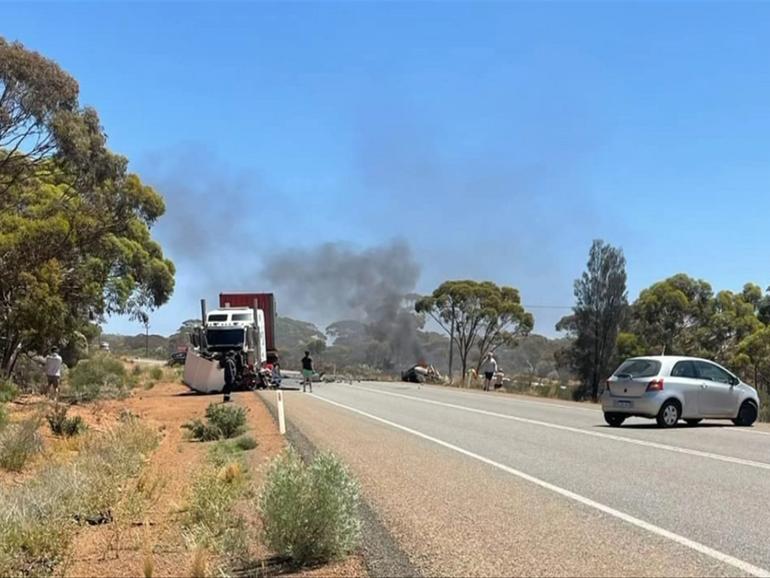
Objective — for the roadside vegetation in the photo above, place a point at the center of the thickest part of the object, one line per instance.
(40, 517)
(223, 421)
(215, 531)
(310, 511)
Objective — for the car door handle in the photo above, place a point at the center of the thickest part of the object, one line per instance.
(703, 386)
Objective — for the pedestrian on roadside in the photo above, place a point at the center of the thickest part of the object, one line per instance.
(307, 372)
(53, 365)
(230, 375)
(489, 368)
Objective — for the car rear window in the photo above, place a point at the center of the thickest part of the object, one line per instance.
(639, 368)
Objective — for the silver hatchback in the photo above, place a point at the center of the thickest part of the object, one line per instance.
(668, 388)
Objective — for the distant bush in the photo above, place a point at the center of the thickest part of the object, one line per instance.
(310, 512)
(156, 373)
(18, 443)
(100, 376)
(8, 390)
(64, 426)
(222, 422)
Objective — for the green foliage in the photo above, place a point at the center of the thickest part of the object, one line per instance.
(101, 376)
(478, 315)
(600, 305)
(8, 390)
(19, 443)
(310, 512)
(75, 241)
(156, 373)
(223, 421)
(246, 443)
(64, 426)
(3, 416)
(40, 517)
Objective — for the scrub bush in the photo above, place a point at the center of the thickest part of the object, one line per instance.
(18, 443)
(310, 512)
(101, 376)
(64, 426)
(222, 422)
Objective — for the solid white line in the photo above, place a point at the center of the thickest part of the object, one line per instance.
(624, 439)
(681, 540)
(748, 431)
(506, 397)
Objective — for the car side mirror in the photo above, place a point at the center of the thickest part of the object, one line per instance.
(734, 381)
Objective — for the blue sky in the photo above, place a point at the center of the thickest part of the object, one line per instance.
(496, 139)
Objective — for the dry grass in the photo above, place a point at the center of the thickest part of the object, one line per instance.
(40, 517)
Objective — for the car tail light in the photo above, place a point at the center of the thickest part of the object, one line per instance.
(655, 385)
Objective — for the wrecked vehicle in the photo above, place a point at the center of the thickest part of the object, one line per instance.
(420, 373)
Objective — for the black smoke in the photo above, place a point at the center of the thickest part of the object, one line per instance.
(335, 281)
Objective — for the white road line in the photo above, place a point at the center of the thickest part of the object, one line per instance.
(624, 439)
(508, 397)
(681, 540)
(747, 431)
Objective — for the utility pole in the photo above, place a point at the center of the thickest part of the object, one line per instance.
(451, 347)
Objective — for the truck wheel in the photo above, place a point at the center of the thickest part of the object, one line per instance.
(614, 419)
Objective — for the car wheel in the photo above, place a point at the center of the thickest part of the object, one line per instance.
(747, 415)
(669, 414)
(614, 419)
(694, 421)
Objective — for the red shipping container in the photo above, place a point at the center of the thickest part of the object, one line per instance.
(265, 302)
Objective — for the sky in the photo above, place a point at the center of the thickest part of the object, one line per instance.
(494, 140)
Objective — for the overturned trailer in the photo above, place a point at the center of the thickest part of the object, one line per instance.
(242, 330)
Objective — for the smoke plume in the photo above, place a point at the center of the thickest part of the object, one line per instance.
(334, 281)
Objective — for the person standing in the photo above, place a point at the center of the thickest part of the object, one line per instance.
(489, 368)
(230, 375)
(53, 365)
(307, 372)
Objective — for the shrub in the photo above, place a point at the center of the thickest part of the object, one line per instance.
(309, 512)
(100, 376)
(8, 390)
(222, 422)
(3, 417)
(18, 443)
(764, 405)
(61, 425)
(156, 373)
(29, 372)
(246, 443)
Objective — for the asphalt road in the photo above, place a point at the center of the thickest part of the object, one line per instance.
(470, 483)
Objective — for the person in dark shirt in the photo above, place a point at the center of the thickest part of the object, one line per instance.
(307, 372)
(230, 375)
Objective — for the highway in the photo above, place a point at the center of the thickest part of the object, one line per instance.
(473, 483)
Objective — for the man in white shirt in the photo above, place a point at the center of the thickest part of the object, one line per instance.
(489, 368)
(53, 365)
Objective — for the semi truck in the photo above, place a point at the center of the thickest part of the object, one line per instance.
(244, 323)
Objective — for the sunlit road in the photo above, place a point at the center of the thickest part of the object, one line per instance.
(492, 484)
